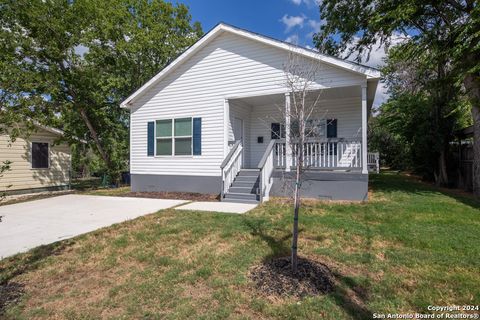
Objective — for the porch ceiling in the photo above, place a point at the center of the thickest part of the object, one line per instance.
(323, 94)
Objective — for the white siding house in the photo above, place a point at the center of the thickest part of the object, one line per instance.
(226, 88)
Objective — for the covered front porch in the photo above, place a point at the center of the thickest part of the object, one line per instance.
(257, 132)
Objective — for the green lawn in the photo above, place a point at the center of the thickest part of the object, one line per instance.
(411, 246)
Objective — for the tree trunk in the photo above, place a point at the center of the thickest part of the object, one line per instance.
(441, 176)
(94, 135)
(472, 84)
(296, 209)
(298, 177)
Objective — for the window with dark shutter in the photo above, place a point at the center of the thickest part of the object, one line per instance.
(275, 130)
(197, 136)
(39, 155)
(150, 138)
(331, 128)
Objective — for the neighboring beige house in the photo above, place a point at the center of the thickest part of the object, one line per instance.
(37, 164)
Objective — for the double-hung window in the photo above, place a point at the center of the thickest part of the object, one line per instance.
(183, 136)
(174, 137)
(163, 133)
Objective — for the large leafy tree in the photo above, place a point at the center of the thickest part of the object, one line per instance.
(424, 108)
(447, 29)
(71, 63)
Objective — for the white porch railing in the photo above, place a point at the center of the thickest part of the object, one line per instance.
(373, 161)
(266, 166)
(231, 166)
(328, 153)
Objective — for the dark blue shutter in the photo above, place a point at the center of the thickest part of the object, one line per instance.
(197, 136)
(150, 138)
(331, 128)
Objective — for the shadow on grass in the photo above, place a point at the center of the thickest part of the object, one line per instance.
(347, 293)
(14, 266)
(278, 245)
(11, 291)
(351, 295)
(392, 181)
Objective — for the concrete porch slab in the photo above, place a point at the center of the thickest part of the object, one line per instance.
(228, 207)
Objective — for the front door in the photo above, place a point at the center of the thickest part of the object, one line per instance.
(238, 129)
(238, 133)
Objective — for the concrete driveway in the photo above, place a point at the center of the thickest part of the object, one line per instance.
(30, 224)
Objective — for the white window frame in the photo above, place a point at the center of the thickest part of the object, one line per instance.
(31, 155)
(172, 137)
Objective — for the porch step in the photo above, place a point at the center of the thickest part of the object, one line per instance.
(236, 189)
(244, 187)
(244, 196)
(246, 178)
(245, 184)
(249, 173)
(240, 201)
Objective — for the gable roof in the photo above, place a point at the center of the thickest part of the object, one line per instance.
(54, 131)
(368, 72)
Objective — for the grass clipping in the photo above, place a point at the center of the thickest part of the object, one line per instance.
(275, 278)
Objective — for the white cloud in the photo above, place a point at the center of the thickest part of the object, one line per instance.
(375, 60)
(314, 24)
(381, 95)
(292, 21)
(294, 38)
(308, 3)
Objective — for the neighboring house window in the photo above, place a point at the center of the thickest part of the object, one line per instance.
(174, 137)
(40, 155)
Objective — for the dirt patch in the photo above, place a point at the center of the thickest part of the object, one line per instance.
(173, 195)
(10, 293)
(275, 278)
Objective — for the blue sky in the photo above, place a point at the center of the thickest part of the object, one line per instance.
(293, 20)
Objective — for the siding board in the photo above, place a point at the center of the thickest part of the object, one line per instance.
(229, 65)
(22, 176)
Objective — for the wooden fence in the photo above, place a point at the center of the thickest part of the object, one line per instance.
(463, 156)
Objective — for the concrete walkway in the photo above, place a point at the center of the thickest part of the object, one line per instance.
(29, 224)
(228, 207)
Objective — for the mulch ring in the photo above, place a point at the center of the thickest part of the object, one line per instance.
(174, 195)
(10, 293)
(275, 278)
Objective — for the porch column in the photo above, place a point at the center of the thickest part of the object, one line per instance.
(288, 146)
(226, 124)
(364, 129)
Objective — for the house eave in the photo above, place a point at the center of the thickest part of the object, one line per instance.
(368, 72)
